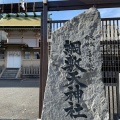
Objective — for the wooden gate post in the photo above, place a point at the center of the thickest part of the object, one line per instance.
(118, 95)
(44, 56)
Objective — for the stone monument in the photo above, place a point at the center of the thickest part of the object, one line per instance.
(74, 89)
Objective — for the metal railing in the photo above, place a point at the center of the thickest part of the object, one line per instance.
(110, 50)
(30, 71)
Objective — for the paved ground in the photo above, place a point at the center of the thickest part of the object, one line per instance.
(19, 99)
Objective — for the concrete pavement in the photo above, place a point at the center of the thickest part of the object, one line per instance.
(19, 99)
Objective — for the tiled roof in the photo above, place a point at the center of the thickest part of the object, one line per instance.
(20, 21)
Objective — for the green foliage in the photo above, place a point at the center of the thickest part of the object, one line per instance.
(26, 14)
(17, 14)
(35, 15)
(8, 15)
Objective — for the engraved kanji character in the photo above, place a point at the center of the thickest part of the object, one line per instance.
(76, 94)
(77, 110)
(70, 111)
(74, 77)
(72, 47)
(74, 112)
(71, 63)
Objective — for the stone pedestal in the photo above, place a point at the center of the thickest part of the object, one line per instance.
(74, 89)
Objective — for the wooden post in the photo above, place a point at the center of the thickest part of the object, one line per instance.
(118, 95)
(41, 57)
(44, 57)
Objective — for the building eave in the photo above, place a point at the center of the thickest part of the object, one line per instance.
(20, 27)
(22, 45)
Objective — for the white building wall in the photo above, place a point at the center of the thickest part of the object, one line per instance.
(30, 42)
(14, 40)
(29, 37)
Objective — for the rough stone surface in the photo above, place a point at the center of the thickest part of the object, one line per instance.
(84, 28)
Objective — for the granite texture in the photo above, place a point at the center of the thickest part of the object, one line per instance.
(85, 29)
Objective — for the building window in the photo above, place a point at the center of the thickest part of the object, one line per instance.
(36, 55)
(1, 54)
(27, 55)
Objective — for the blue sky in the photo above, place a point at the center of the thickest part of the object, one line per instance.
(65, 15)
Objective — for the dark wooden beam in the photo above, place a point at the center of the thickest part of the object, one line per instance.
(41, 67)
(44, 58)
(63, 5)
(82, 4)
